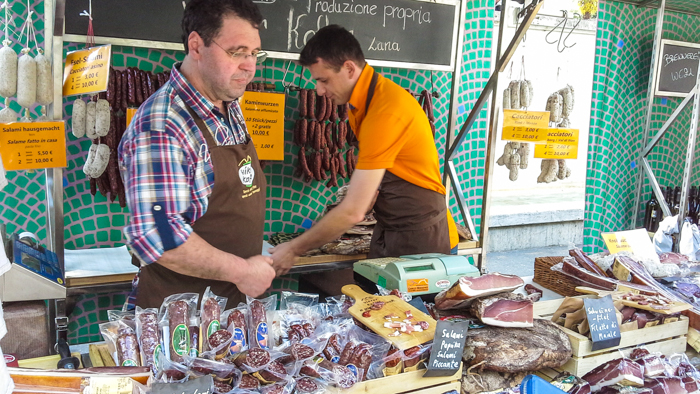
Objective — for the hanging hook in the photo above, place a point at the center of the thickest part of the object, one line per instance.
(565, 16)
(580, 18)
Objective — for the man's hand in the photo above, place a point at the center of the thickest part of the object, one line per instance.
(258, 276)
(283, 257)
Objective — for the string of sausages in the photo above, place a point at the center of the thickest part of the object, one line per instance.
(322, 132)
(126, 88)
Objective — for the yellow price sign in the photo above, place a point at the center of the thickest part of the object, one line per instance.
(264, 117)
(524, 126)
(634, 241)
(561, 144)
(87, 71)
(31, 146)
(130, 112)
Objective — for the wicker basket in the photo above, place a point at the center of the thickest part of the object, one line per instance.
(555, 280)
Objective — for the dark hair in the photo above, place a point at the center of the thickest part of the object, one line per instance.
(207, 16)
(334, 45)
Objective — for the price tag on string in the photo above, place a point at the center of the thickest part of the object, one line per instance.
(561, 144)
(87, 71)
(31, 146)
(264, 117)
(525, 126)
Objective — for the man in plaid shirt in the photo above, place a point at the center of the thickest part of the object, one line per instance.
(193, 181)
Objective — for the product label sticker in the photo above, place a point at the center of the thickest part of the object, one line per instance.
(238, 343)
(442, 283)
(261, 336)
(417, 285)
(87, 71)
(181, 340)
(213, 327)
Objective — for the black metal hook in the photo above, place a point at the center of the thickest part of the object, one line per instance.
(565, 15)
(580, 18)
(561, 43)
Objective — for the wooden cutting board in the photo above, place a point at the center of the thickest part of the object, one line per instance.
(393, 306)
(674, 307)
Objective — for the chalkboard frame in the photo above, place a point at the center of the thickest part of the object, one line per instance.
(458, 9)
(659, 59)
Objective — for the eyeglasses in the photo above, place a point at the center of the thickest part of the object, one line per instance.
(259, 56)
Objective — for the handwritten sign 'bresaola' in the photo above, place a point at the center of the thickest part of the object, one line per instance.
(602, 320)
(448, 346)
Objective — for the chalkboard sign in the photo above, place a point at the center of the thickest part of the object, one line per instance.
(602, 322)
(677, 68)
(399, 33)
(448, 346)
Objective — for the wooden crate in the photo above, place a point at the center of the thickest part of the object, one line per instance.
(666, 338)
(409, 382)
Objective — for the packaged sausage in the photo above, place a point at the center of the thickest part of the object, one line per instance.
(306, 299)
(308, 385)
(296, 323)
(44, 79)
(168, 371)
(259, 322)
(26, 80)
(218, 343)
(210, 316)
(121, 342)
(195, 344)
(8, 70)
(222, 372)
(274, 372)
(248, 382)
(285, 387)
(236, 324)
(114, 315)
(361, 349)
(336, 374)
(149, 336)
(413, 358)
(177, 310)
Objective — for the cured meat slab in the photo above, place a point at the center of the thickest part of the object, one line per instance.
(517, 349)
(504, 310)
(622, 371)
(393, 305)
(462, 292)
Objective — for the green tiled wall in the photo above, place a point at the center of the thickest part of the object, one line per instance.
(95, 222)
(623, 57)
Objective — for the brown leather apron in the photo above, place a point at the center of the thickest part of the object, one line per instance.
(233, 222)
(410, 219)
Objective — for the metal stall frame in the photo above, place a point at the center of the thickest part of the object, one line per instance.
(450, 177)
(647, 148)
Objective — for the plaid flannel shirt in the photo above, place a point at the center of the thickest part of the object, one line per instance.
(163, 157)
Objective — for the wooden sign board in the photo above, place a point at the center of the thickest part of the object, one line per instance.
(446, 353)
(676, 68)
(602, 320)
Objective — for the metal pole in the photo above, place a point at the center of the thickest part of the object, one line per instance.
(452, 120)
(658, 33)
(689, 156)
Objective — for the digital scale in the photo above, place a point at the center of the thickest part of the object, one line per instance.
(420, 274)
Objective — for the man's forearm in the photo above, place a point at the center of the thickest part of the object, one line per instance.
(196, 257)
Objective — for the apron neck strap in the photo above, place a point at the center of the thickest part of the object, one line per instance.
(370, 91)
(208, 137)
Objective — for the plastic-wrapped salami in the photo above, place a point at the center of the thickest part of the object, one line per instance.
(308, 385)
(195, 343)
(285, 387)
(121, 342)
(224, 372)
(258, 323)
(274, 372)
(8, 70)
(7, 114)
(79, 112)
(413, 357)
(210, 315)
(26, 80)
(219, 343)
(148, 335)
(44, 80)
(253, 360)
(177, 310)
(168, 371)
(236, 325)
(248, 382)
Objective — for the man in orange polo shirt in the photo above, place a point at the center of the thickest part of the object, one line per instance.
(397, 164)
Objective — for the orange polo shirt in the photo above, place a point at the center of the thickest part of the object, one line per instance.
(396, 136)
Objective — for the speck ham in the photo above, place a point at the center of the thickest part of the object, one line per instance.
(504, 310)
(621, 371)
(462, 293)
